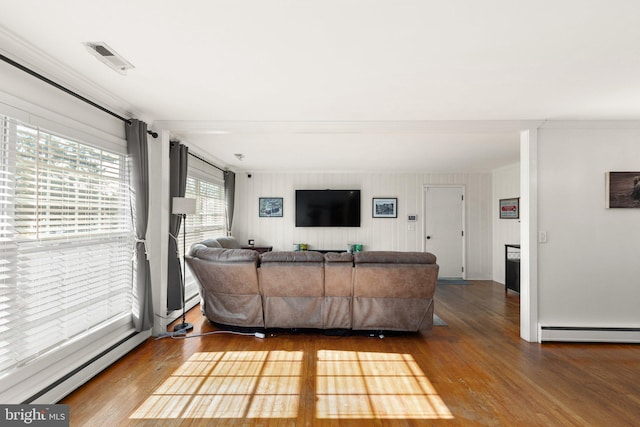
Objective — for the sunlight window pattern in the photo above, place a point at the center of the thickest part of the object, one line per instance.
(366, 385)
(66, 241)
(267, 384)
(234, 384)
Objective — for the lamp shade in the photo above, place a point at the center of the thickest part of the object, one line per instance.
(183, 206)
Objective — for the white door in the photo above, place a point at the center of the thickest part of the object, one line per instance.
(444, 228)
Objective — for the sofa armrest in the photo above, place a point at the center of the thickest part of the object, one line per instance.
(224, 255)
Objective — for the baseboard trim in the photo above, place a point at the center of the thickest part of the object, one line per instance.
(78, 377)
(589, 334)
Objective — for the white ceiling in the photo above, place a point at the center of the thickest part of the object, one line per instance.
(433, 86)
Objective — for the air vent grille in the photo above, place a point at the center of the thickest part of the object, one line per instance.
(109, 56)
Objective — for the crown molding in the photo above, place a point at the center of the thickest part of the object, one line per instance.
(346, 127)
(39, 61)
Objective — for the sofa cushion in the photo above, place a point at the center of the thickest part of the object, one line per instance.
(338, 288)
(338, 257)
(224, 255)
(391, 257)
(291, 256)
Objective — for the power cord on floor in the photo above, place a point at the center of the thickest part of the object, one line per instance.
(182, 333)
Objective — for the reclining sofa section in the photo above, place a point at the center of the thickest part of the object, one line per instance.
(373, 290)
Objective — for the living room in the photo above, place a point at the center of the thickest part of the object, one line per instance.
(566, 124)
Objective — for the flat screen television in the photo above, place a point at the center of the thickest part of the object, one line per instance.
(327, 208)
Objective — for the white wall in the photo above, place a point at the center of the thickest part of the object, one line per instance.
(505, 184)
(374, 234)
(588, 272)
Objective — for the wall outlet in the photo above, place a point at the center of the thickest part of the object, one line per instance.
(542, 237)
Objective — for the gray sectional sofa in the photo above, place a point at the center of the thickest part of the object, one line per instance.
(372, 290)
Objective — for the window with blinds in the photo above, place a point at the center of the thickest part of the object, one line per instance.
(66, 241)
(209, 219)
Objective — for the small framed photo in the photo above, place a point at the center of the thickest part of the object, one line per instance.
(623, 190)
(510, 208)
(270, 207)
(385, 207)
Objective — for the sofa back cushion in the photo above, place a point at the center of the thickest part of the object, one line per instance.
(338, 274)
(227, 271)
(381, 274)
(292, 274)
(392, 257)
(228, 280)
(292, 257)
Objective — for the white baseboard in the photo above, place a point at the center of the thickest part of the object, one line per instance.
(77, 379)
(589, 334)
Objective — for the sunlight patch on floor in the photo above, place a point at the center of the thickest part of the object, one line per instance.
(267, 384)
(365, 385)
(235, 384)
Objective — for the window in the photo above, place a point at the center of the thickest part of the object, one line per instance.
(209, 220)
(66, 241)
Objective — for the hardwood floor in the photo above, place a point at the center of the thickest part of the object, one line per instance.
(475, 371)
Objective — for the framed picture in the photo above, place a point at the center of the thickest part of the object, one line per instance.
(510, 208)
(623, 189)
(270, 207)
(385, 207)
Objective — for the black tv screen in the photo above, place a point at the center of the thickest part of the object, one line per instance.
(327, 208)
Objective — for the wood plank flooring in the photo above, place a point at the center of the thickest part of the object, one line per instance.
(474, 372)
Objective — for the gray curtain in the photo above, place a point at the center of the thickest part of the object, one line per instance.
(178, 163)
(230, 195)
(138, 157)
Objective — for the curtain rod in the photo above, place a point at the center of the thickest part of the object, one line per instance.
(68, 91)
(207, 162)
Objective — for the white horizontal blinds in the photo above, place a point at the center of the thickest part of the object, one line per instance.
(67, 189)
(72, 237)
(8, 249)
(209, 219)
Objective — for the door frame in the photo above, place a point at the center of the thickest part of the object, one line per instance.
(464, 220)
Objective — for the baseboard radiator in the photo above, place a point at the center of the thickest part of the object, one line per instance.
(70, 382)
(589, 334)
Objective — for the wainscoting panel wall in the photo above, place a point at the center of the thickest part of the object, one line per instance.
(374, 233)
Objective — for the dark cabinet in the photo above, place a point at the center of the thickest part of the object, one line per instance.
(511, 268)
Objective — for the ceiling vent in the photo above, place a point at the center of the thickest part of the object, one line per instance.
(109, 56)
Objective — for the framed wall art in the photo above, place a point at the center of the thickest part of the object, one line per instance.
(510, 208)
(623, 190)
(385, 207)
(270, 207)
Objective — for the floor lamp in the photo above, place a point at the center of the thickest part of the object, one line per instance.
(183, 206)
